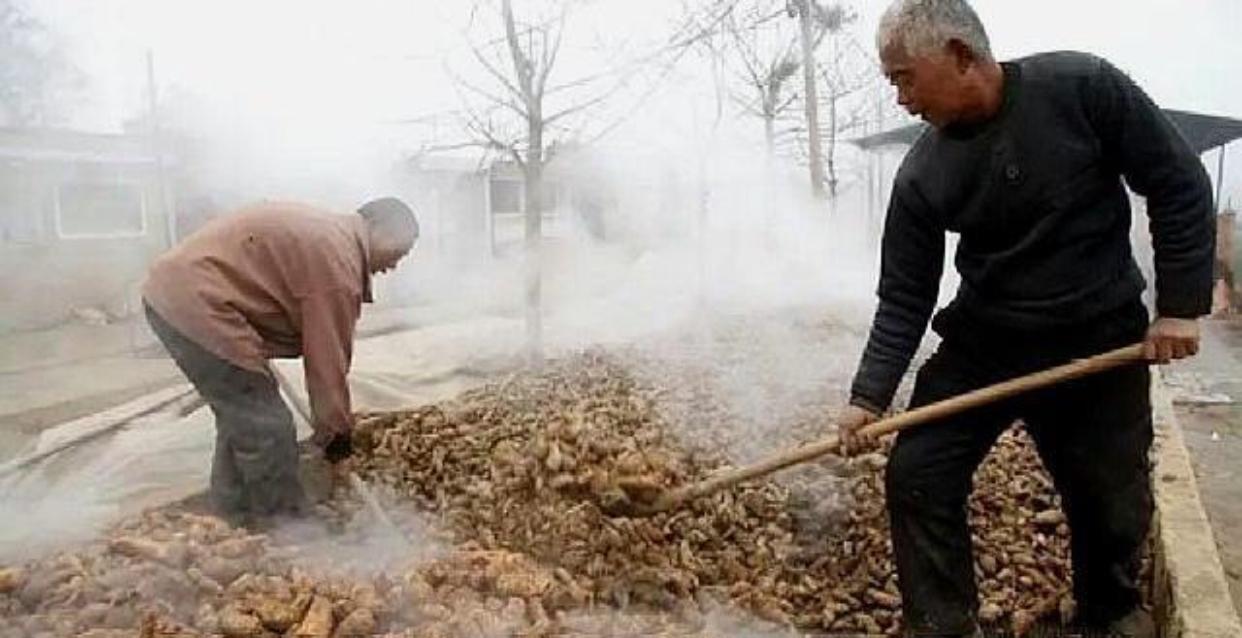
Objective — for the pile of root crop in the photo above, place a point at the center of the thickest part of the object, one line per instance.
(512, 475)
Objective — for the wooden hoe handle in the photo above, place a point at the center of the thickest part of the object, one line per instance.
(983, 396)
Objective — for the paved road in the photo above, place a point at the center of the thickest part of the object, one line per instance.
(1208, 402)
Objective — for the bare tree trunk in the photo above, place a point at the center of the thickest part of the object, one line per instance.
(530, 87)
(810, 100)
(832, 144)
(769, 134)
(533, 174)
(770, 97)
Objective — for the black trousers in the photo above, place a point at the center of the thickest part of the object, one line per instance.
(1093, 435)
(254, 473)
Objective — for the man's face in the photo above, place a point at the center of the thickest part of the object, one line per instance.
(929, 86)
(386, 255)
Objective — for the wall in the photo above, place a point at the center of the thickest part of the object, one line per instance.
(61, 246)
(1225, 289)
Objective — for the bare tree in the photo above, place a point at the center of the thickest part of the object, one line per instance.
(520, 113)
(846, 71)
(768, 58)
(36, 78)
(765, 69)
(810, 102)
(763, 60)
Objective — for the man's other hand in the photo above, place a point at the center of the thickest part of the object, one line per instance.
(1169, 339)
(340, 448)
(849, 425)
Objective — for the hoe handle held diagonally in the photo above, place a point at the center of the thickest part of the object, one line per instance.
(359, 486)
(1127, 355)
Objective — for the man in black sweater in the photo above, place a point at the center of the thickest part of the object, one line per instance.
(1024, 160)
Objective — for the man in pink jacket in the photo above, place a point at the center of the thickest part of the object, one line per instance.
(272, 280)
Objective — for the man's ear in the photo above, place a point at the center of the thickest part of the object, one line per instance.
(963, 56)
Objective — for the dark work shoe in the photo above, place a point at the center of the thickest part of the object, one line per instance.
(1136, 624)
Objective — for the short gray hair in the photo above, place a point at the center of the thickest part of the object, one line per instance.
(922, 26)
(391, 216)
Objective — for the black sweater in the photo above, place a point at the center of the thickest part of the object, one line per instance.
(1036, 195)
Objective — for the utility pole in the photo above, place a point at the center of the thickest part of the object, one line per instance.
(810, 98)
(161, 177)
(1220, 176)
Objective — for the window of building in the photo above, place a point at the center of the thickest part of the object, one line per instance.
(90, 209)
(506, 196)
(21, 212)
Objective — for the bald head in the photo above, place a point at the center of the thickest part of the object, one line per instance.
(392, 230)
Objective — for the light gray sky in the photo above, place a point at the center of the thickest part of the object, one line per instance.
(330, 77)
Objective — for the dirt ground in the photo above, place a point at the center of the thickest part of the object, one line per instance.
(1207, 396)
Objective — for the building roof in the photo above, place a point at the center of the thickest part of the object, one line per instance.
(431, 163)
(1205, 132)
(62, 145)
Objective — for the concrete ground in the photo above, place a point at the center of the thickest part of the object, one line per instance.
(52, 376)
(1207, 398)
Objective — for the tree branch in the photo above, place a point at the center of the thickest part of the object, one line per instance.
(521, 65)
(492, 142)
(549, 59)
(489, 140)
(494, 72)
(570, 110)
(784, 105)
(491, 97)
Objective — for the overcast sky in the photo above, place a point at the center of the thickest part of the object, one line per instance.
(314, 75)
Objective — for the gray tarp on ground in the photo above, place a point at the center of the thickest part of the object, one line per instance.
(1203, 132)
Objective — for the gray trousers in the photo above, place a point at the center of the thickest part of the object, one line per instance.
(254, 473)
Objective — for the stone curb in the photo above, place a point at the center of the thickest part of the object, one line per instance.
(1191, 594)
